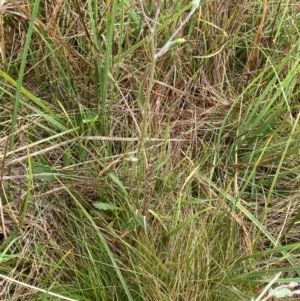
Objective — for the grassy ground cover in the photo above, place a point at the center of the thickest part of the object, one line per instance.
(134, 169)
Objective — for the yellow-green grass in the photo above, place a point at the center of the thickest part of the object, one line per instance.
(128, 175)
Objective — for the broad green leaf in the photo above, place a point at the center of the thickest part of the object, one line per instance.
(118, 182)
(106, 206)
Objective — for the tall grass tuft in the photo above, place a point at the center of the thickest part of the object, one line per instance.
(149, 150)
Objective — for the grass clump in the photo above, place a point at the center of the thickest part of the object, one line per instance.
(149, 150)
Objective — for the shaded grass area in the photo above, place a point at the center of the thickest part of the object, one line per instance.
(190, 194)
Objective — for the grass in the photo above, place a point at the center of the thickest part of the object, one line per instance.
(133, 173)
